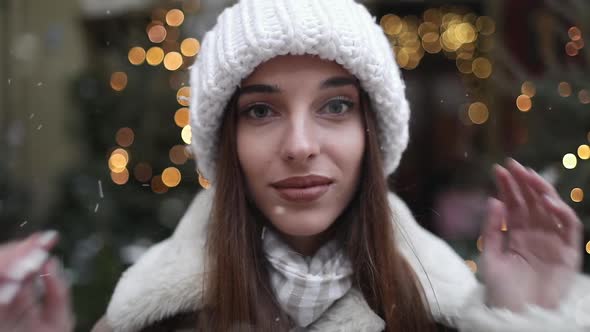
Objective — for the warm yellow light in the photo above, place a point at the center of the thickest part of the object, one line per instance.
(524, 103)
(183, 96)
(142, 172)
(118, 162)
(391, 24)
(528, 88)
(402, 57)
(465, 66)
(157, 33)
(190, 47)
(570, 161)
(186, 134)
(564, 89)
(433, 15)
(171, 177)
(173, 61)
(178, 155)
(482, 67)
(136, 55)
(485, 25)
(465, 33)
(584, 96)
(577, 195)
(471, 265)
(478, 113)
(584, 151)
(154, 56)
(174, 17)
(504, 226)
(181, 117)
(432, 47)
(120, 178)
(118, 81)
(588, 248)
(574, 33)
(427, 28)
(124, 137)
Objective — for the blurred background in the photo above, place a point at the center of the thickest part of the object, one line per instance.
(94, 119)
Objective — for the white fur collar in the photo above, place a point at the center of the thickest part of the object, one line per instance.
(165, 280)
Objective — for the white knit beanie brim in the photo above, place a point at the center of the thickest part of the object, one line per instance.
(254, 31)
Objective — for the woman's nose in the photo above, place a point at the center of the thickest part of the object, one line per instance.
(300, 141)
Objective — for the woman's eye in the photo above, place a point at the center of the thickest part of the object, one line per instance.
(338, 106)
(258, 111)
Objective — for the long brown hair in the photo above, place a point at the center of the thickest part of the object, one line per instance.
(237, 292)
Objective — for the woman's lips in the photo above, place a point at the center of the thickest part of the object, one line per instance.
(307, 194)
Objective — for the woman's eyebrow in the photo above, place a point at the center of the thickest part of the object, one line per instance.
(338, 81)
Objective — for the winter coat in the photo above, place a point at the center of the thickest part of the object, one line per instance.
(164, 284)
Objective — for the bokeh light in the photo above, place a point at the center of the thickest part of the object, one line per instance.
(178, 155)
(584, 151)
(478, 113)
(528, 88)
(485, 25)
(471, 265)
(570, 161)
(588, 247)
(142, 172)
(174, 17)
(203, 181)
(124, 137)
(120, 178)
(186, 134)
(157, 33)
(190, 47)
(584, 96)
(181, 117)
(171, 177)
(574, 33)
(564, 89)
(391, 24)
(136, 55)
(482, 67)
(154, 56)
(577, 195)
(571, 49)
(119, 81)
(158, 186)
(173, 61)
(524, 103)
(183, 96)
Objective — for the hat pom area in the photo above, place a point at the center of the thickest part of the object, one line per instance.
(252, 32)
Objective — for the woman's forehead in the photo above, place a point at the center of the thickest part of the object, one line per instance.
(294, 67)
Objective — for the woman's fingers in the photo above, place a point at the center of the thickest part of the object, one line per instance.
(492, 235)
(571, 227)
(57, 298)
(24, 258)
(511, 195)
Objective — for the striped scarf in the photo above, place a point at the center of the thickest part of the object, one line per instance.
(306, 286)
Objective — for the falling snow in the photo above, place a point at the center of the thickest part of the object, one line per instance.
(100, 189)
(23, 223)
(96, 208)
(32, 115)
(40, 83)
(39, 127)
(9, 81)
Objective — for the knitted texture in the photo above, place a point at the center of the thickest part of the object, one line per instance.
(254, 31)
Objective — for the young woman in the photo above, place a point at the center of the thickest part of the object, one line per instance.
(298, 115)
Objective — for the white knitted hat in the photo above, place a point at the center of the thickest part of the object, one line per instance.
(254, 31)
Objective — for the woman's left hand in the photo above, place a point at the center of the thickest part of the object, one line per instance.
(536, 257)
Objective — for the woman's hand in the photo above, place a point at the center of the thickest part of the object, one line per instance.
(25, 269)
(535, 259)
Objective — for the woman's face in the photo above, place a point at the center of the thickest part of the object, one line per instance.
(300, 116)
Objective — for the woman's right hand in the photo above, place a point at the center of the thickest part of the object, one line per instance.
(33, 295)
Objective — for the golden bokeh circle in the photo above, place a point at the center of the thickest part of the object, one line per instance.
(118, 81)
(173, 61)
(478, 113)
(577, 195)
(171, 177)
(571, 49)
(471, 265)
(120, 178)
(524, 103)
(574, 33)
(190, 47)
(391, 24)
(183, 96)
(178, 155)
(186, 134)
(154, 56)
(485, 25)
(174, 17)
(584, 151)
(136, 55)
(181, 117)
(482, 67)
(203, 181)
(588, 248)
(157, 185)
